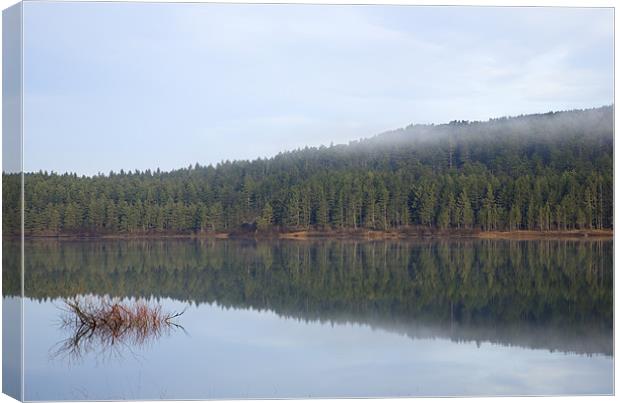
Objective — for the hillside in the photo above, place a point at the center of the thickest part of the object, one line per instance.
(550, 171)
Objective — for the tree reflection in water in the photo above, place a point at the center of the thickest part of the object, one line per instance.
(553, 294)
(109, 326)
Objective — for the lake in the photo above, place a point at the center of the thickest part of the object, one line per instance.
(325, 318)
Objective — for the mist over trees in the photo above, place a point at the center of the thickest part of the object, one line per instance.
(550, 171)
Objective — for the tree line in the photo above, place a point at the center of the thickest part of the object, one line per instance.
(543, 172)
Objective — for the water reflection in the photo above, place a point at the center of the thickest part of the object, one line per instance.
(108, 327)
(555, 295)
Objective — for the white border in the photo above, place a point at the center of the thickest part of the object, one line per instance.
(541, 3)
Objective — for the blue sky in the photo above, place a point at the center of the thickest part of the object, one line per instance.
(146, 85)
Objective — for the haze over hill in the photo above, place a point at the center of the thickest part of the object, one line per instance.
(545, 171)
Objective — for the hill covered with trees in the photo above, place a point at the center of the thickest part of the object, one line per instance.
(551, 171)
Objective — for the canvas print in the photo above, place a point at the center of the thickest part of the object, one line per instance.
(237, 201)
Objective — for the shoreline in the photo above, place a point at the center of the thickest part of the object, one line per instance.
(514, 235)
(593, 234)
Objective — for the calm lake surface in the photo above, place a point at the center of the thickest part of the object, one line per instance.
(286, 319)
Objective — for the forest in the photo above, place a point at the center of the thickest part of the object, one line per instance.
(543, 172)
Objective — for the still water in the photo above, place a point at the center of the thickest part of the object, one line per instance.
(286, 319)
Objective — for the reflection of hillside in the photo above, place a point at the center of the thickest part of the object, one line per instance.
(547, 294)
(581, 339)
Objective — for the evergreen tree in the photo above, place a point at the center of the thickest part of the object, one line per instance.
(489, 212)
(465, 214)
(73, 218)
(265, 220)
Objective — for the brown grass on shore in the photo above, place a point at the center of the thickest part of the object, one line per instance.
(418, 233)
(534, 235)
(357, 234)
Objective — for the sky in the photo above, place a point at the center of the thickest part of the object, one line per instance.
(110, 86)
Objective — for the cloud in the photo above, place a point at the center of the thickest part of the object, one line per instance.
(273, 77)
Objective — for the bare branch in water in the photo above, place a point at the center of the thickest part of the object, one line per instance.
(103, 324)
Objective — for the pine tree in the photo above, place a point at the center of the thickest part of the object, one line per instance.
(465, 213)
(265, 220)
(292, 209)
(111, 217)
(72, 220)
(382, 206)
(53, 218)
(216, 214)
(322, 211)
(489, 213)
(447, 209)
(514, 217)
(426, 204)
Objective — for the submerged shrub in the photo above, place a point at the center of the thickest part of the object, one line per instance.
(105, 324)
